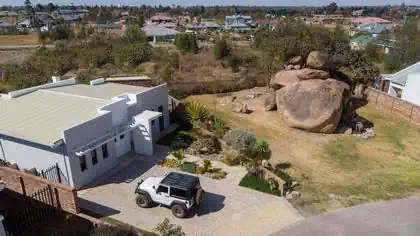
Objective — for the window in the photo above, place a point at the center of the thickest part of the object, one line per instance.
(179, 193)
(94, 157)
(105, 151)
(121, 136)
(162, 189)
(83, 165)
(153, 122)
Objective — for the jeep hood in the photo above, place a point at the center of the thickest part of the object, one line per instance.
(150, 182)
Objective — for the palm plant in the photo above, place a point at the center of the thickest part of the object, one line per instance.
(196, 111)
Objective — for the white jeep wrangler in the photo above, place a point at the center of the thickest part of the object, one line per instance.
(178, 191)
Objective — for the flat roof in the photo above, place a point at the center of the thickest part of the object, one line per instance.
(42, 116)
(100, 91)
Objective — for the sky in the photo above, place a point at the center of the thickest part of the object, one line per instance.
(221, 2)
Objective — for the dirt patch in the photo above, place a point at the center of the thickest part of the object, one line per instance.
(334, 170)
(30, 39)
(14, 56)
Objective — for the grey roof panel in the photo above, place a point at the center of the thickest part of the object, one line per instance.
(157, 30)
(401, 77)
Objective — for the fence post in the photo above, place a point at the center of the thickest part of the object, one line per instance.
(57, 169)
(411, 112)
(2, 230)
(22, 185)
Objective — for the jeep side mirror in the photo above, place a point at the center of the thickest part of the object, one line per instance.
(154, 187)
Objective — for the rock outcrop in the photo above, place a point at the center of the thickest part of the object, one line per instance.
(312, 105)
(323, 61)
(270, 102)
(284, 78)
(307, 73)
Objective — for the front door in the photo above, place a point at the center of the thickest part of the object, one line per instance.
(161, 119)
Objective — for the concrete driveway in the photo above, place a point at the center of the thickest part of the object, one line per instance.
(227, 209)
(392, 218)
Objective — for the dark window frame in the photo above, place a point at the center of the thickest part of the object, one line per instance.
(94, 157)
(162, 186)
(83, 164)
(105, 153)
(122, 136)
(177, 195)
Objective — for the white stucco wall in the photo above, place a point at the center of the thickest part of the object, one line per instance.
(143, 137)
(83, 134)
(31, 155)
(411, 91)
(151, 100)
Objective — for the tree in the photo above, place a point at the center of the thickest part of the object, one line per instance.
(186, 42)
(361, 69)
(222, 48)
(331, 8)
(165, 228)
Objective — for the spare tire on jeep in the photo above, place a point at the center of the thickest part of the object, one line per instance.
(200, 196)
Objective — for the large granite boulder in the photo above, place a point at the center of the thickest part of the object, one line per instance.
(307, 73)
(270, 102)
(323, 61)
(312, 105)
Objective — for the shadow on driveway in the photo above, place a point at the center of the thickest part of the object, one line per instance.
(96, 208)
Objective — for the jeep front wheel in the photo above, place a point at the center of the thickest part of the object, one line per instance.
(179, 211)
(142, 201)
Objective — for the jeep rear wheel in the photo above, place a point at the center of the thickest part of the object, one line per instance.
(179, 211)
(142, 201)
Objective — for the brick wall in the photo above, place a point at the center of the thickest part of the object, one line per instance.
(23, 183)
(394, 105)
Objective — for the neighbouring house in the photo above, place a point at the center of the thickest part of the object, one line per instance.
(357, 13)
(161, 18)
(85, 129)
(158, 34)
(24, 24)
(211, 26)
(369, 20)
(237, 22)
(360, 42)
(404, 84)
(372, 29)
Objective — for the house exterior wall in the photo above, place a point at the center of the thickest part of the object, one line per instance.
(31, 155)
(411, 89)
(151, 100)
(83, 134)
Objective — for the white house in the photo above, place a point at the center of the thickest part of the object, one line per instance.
(85, 129)
(404, 84)
(157, 33)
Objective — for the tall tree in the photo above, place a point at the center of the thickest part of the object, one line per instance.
(331, 8)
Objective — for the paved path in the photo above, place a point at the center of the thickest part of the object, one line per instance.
(227, 209)
(397, 217)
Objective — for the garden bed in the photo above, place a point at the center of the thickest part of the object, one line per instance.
(255, 182)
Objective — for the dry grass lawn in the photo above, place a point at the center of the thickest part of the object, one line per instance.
(336, 171)
(30, 39)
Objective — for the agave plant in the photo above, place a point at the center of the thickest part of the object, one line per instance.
(196, 111)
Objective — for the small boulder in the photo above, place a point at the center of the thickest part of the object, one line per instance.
(312, 74)
(270, 102)
(323, 61)
(284, 78)
(240, 108)
(298, 60)
(296, 67)
(289, 67)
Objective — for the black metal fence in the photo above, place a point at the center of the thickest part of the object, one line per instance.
(55, 174)
(29, 211)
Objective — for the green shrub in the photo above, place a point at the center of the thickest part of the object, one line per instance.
(205, 145)
(219, 175)
(222, 48)
(171, 163)
(255, 182)
(60, 32)
(178, 154)
(113, 230)
(241, 140)
(185, 136)
(196, 111)
(186, 43)
(231, 158)
(260, 150)
(207, 165)
(283, 175)
(234, 63)
(165, 228)
(218, 126)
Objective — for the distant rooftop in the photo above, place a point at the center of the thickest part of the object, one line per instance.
(369, 20)
(157, 30)
(373, 28)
